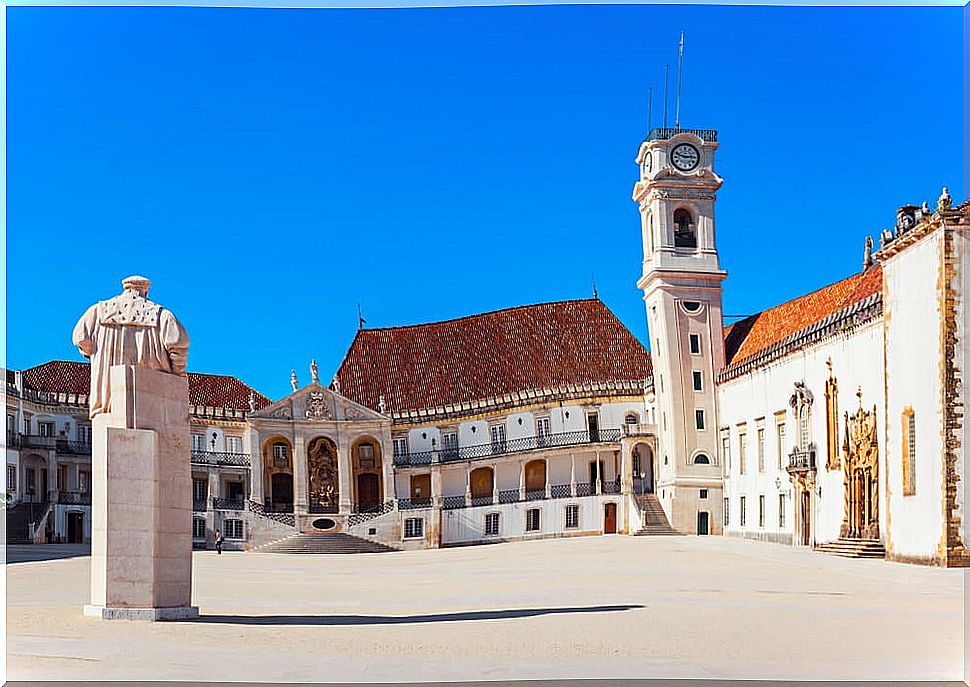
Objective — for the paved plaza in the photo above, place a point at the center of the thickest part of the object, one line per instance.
(608, 607)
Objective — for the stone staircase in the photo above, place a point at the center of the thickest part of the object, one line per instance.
(654, 519)
(323, 542)
(18, 522)
(854, 548)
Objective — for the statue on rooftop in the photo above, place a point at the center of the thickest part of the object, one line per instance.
(866, 264)
(314, 373)
(129, 329)
(293, 382)
(944, 202)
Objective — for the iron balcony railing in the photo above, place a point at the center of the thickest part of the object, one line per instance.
(74, 448)
(509, 446)
(80, 498)
(801, 460)
(411, 504)
(228, 504)
(220, 458)
(662, 134)
(200, 505)
(584, 489)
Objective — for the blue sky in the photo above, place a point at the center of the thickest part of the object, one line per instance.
(268, 169)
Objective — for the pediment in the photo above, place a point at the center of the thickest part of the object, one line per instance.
(317, 403)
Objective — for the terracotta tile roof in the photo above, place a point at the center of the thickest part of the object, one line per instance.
(542, 346)
(749, 337)
(71, 377)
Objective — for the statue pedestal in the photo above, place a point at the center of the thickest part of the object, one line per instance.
(141, 532)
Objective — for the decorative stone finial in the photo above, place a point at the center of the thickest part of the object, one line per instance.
(314, 373)
(293, 382)
(866, 264)
(944, 202)
(136, 283)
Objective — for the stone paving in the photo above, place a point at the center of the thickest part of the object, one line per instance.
(608, 607)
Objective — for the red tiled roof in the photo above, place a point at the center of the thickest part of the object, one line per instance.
(71, 377)
(482, 356)
(748, 337)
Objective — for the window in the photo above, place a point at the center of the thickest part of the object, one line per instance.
(281, 455)
(498, 438)
(695, 343)
(572, 516)
(233, 444)
(491, 524)
(198, 528)
(631, 419)
(743, 508)
(449, 443)
(781, 511)
(685, 235)
(909, 452)
(84, 434)
(532, 520)
(726, 451)
(804, 428)
(232, 529)
(11, 424)
(742, 450)
(781, 443)
(46, 429)
(691, 306)
(542, 430)
(11, 478)
(727, 511)
(400, 446)
(698, 382)
(365, 455)
(198, 442)
(699, 418)
(761, 449)
(702, 459)
(832, 461)
(84, 482)
(413, 528)
(761, 511)
(703, 493)
(200, 489)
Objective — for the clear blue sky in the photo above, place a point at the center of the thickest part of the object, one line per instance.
(268, 169)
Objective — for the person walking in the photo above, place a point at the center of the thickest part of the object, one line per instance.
(218, 542)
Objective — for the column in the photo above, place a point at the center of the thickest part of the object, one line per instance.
(51, 486)
(599, 475)
(344, 465)
(626, 467)
(256, 470)
(495, 497)
(210, 514)
(387, 462)
(300, 477)
(436, 499)
(572, 474)
(521, 481)
(468, 484)
(548, 481)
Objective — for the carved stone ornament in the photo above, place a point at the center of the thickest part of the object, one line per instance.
(354, 413)
(905, 218)
(801, 397)
(317, 407)
(281, 413)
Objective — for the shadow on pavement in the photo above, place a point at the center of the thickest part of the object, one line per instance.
(401, 619)
(30, 553)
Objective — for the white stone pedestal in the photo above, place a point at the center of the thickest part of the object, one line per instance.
(141, 534)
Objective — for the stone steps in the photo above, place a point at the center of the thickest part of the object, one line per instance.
(324, 543)
(655, 522)
(853, 548)
(18, 522)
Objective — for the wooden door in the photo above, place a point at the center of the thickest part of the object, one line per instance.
(609, 518)
(75, 528)
(702, 518)
(368, 493)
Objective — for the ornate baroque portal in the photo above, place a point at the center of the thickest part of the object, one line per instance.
(324, 492)
(861, 475)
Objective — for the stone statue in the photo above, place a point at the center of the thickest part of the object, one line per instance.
(944, 202)
(252, 402)
(336, 385)
(866, 264)
(295, 384)
(381, 405)
(129, 329)
(314, 373)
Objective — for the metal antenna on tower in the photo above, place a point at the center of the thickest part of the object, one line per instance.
(666, 70)
(680, 66)
(650, 111)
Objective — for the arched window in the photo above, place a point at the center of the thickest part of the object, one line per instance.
(685, 231)
(702, 459)
(631, 419)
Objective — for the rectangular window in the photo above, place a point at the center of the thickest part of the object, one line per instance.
(400, 446)
(365, 453)
(532, 520)
(11, 478)
(909, 452)
(743, 509)
(727, 511)
(742, 450)
(491, 524)
(761, 449)
(703, 493)
(198, 528)
(572, 516)
(413, 528)
(804, 428)
(11, 424)
(498, 438)
(198, 442)
(232, 529)
(84, 482)
(449, 443)
(761, 511)
(200, 489)
(542, 430)
(699, 418)
(695, 343)
(233, 444)
(781, 511)
(781, 444)
(84, 434)
(726, 451)
(281, 455)
(698, 381)
(46, 429)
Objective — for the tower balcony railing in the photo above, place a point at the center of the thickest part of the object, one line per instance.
(663, 133)
(509, 446)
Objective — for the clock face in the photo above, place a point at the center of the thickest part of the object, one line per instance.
(646, 165)
(685, 157)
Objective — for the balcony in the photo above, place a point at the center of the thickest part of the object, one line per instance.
(509, 446)
(200, 505)
(74, 498)
(638, 430)
(220, 458)
(801, 460)
(62, 446)
(228, 504)
(662, 134)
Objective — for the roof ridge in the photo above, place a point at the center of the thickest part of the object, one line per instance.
(473, 316)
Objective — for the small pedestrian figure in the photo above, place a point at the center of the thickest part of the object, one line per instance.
(218, 542)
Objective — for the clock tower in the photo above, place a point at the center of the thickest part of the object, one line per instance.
(681, 286)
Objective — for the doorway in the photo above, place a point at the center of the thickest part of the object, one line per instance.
(593, 424)
(75, 527)
(368, 492)
(702, 520)
(282, 492)
(806, 513)
(609, 518)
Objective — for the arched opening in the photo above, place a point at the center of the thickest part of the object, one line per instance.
(631, 419)
(535, 476)
(278, 475)
(702, 459)
(643, 482)
(482, 484)
(34, 479)
(685, 230)
(368, 471)
(324, 488)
